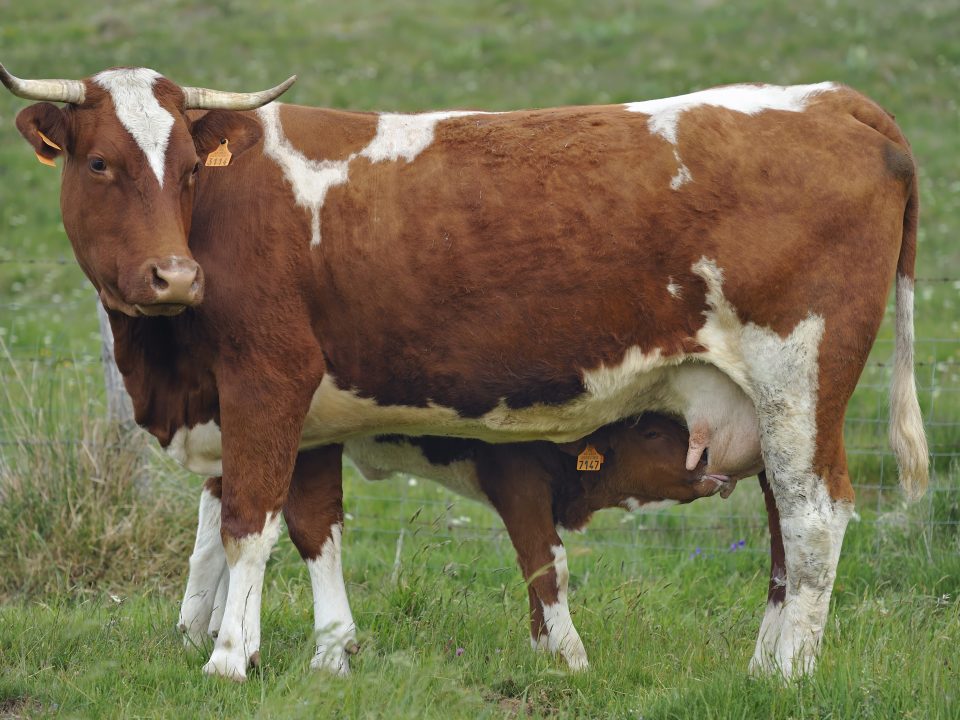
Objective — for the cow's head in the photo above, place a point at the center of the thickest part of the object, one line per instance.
(131, 158)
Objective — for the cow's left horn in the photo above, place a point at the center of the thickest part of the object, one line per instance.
(68, 91)
(204, 99)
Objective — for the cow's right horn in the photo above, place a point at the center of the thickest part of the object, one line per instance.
(68, 91)
(196, 98)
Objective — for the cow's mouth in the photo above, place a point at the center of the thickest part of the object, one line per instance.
(161, 309)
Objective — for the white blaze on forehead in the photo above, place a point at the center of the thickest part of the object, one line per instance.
(747, 99)
(406, 136)
(138, 110)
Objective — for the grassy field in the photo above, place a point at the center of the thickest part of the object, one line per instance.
(91, 569)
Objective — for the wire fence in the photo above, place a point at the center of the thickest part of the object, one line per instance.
(408, 506)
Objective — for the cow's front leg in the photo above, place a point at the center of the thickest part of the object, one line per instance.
(261, 430)
(521, 493)
(207, 564)
(314, 515)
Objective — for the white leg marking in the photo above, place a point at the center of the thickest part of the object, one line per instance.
(764, 659)
(219, 603)
(131, 90)
(333, 621)
(748, 99)
(562, 635)
(239, 636)
(207, 563)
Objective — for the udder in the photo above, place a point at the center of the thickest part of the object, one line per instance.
(723, 424)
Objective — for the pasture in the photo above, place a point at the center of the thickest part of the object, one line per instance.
(93, 546)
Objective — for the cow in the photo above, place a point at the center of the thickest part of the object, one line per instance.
(280, 279)
(535, 487)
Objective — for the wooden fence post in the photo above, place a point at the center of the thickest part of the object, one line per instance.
(129, 437)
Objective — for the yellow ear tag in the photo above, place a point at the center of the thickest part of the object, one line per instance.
(589, 460)
(48, 141)
(221, 156)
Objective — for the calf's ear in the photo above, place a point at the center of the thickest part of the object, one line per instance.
(44, 126)
(240, 131)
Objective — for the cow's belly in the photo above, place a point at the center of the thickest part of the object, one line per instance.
(378, 459)
(694, 392)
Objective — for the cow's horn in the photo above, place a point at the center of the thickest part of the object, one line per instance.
(204, 99)
(68, 91)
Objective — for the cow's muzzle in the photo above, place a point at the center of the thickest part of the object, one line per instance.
(171, 285)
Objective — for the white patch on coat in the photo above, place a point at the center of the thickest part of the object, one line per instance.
(398, 136)
(377, 460)
(747, 99)
(406, 136)
(207, 564)
(239, 636)
(674, 289)
(138, 110)
(310, 179)
(198, 448)
(333, 622)
(562, 635)
(634, 505)
(907, 437)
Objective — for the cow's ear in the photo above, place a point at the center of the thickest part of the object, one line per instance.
(44, 126)
(240, 130)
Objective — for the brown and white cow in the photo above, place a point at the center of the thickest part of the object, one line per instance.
(506, 277)
(535, 487)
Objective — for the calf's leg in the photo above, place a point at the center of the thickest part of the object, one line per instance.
(520, 492)
(314, 515)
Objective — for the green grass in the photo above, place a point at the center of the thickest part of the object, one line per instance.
(669, 635)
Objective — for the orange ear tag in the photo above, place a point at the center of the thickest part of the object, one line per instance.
(44, 160)
(48, 141)
(589, 460)
(221, 156)
(51, 143)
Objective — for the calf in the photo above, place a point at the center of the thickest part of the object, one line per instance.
(535, 487)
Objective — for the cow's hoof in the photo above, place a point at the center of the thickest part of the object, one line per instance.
(226, 664)
(577, 662)
(192, 638)
(331, 660)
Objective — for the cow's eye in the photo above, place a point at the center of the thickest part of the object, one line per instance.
(98, 165)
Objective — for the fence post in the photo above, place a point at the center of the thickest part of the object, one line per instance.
(120, 417)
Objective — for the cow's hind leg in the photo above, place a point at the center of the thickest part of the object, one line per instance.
(777, 588)
(521, 494)
(314, 515)
(801, 432)
(207, 564)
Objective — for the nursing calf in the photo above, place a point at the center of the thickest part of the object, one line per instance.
(535, 487)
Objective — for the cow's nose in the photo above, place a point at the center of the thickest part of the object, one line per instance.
(176, 281)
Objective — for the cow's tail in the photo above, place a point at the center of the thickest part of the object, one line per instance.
(907, 437)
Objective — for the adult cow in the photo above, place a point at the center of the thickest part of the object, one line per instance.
(512, 276)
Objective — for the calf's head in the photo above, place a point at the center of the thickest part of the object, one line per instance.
(132, 156)
(644, 461)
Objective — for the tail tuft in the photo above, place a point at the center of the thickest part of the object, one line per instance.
(907, 437)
